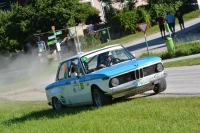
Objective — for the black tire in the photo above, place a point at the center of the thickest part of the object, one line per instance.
(57, 105)
(160, 87)
(99, 98)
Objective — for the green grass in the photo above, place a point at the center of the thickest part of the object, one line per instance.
(181, 49)
(163, 115)
(185, 62)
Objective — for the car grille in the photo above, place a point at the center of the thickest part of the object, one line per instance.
(137, 74)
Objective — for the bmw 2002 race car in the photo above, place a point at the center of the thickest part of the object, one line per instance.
(99, 76)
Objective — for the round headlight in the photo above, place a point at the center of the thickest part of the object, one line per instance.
(114, 82)
(159, 67)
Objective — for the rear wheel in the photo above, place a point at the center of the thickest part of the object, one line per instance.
(160, 87)
(57, 105)
(99, 98)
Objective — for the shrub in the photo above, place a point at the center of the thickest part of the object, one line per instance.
(128, 20)
(90, 40)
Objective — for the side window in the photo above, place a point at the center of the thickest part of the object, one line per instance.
(69, 68)
(73, 68)
(62, 71)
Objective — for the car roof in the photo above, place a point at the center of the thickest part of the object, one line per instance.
(92, 51)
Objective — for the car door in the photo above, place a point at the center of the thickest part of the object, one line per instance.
(63, 83)
(77, 90)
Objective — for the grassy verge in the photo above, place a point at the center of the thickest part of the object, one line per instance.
(185, 62)
(181, 49)
(137, 115)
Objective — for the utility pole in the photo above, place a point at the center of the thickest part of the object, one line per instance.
(78, 43)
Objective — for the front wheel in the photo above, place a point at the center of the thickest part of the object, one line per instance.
(160, 87)
(57, 105)
(99, 98)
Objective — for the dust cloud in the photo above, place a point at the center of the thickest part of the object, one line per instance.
(26, 73)
(24, 76)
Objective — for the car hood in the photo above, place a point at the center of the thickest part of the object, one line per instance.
(126, 66)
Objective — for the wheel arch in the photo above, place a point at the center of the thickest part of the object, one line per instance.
(93, 86)
(57, 98)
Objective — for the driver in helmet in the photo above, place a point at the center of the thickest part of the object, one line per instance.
(104, 60)
(107, 59)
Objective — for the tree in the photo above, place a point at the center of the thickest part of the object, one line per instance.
(38, 16)
(162, 6)
(4, 39)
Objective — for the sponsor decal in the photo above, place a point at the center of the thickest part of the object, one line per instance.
(142, 82)
(82, 86)
(156, 76)
(62, 99)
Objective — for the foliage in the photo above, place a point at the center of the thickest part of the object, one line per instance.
(130, 5)
(128, 20)
(110, 12)
(90, 40)
(38, 16)
(154, 8)
(4, 38)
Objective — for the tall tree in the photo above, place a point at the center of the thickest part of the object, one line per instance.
(38, 16)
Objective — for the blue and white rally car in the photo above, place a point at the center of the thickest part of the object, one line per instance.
(99, 76)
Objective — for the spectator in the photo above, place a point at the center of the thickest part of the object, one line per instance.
(180, 20)
(161, 21)
(171, 22)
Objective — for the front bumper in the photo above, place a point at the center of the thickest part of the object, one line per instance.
(137, 86)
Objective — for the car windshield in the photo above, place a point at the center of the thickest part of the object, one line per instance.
(105, 58)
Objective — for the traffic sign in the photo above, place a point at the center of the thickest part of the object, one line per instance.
(51, 37)
(51, 42)
(143, 27)
(50, 32)
(58, 32)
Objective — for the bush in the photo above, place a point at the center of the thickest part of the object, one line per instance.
(90, 40)
(128, 20)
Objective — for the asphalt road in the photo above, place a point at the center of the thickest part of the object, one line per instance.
(180, 80)
(157, 44)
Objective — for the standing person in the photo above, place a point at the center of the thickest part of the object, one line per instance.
(180, 20)
(171, 22)
(161, 21)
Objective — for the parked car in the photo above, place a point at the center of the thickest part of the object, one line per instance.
(99, 76)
